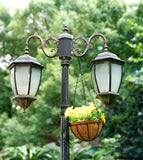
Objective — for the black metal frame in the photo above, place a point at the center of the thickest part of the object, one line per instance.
(30, 72)
(65, 50)
(85, 123)
(107, 98)
(25, 100)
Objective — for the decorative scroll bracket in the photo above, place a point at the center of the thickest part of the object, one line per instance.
(43, 45)
(87, 44)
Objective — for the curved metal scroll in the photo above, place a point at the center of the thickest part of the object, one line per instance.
(43, 44)
(88, 41)
(80, 37)
(97, 35)
(53, 49)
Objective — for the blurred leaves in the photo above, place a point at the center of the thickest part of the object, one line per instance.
(108, 149)
(47, 152)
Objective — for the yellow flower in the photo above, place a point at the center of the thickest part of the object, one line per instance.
(84, 112)
(93, 105)
(103, 117)
(76, 112)
(69, 112)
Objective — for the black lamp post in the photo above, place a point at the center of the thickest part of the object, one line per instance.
(25, 76)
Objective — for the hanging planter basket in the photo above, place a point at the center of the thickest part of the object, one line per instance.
(86, 130)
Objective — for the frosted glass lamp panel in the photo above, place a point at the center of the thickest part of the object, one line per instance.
(102, 76)
(12, 81)
(93, 78)
(116, 75)
(22, 79)
(35, 81)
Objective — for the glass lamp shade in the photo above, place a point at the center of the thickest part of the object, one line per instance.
(25, 77)
(106, 74)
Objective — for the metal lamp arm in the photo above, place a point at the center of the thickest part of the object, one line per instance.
(97, 35)
(88, 41)
(35, 36)
(43, 44)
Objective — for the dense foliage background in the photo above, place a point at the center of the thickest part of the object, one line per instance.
(122, 25)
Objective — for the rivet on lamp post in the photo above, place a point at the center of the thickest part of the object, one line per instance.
(25, 76)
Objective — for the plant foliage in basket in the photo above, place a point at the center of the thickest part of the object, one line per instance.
(85, 121)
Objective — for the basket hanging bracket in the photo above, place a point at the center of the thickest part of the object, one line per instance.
(84, 84)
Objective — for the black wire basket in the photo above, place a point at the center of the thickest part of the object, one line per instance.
(86, 130)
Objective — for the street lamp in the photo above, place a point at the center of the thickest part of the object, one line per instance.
(25, 75)
(106, 73)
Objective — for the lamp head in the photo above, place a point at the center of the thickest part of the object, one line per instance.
(25, 77)
(106, 72)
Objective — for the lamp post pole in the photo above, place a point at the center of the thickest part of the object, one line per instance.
(106, 69)
(64, 50)
(64, 104)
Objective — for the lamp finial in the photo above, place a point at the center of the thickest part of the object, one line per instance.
(65, 29)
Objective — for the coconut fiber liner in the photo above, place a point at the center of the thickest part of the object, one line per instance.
(86, 130)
